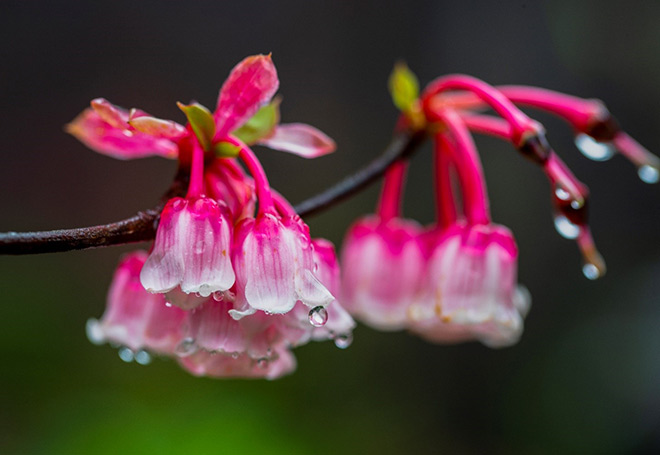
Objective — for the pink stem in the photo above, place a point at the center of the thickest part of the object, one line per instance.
(520, 123)
(390, 199)
(258, 174)
(470, 173)
(283, 206)
(579, 112)
(196, 187)
(634, 151)
(444, 193)
(556, 170)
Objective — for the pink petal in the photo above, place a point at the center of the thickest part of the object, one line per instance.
(156, 127)
(214, 330)
(243, 366)
(192, 249)
(300, 139)
(109, 113)
(250, 85)
(267, 258)
(383, 266)
(135, 318)
(102, 137)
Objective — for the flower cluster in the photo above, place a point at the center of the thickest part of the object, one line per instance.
(234, 280)
(456, 280)
(227, 288)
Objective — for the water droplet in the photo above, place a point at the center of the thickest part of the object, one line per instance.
(562, 194)
(344, 340)
(143, 357)
(591, 271)
(565, 228)
(593, 149)
(262, 363)
(218, 296)
(168, 304)
(234, 355)
(575, 204)
(648, 173)
(186, 347)
(318, 316)
(126, 354)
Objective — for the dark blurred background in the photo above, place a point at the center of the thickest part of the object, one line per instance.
(584, 379)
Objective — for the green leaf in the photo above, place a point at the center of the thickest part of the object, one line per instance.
(261, 124)
(404, 87)
(226, 150)
(201, 121)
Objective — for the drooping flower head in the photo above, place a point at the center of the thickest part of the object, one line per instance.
(232, 269)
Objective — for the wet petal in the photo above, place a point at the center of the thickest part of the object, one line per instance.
(103, 137)
(300, 139)
(250, 85)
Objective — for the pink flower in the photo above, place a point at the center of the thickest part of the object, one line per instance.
(471, 287)
(192, 249)
(383, 265)
(275, 265)
(135, 318)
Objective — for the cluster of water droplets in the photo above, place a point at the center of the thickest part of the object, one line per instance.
(140, 357)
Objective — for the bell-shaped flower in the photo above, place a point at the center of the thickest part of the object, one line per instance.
(471, 286)
(135, 318)
(113, 131)
(192, 249)
(274, 263)
(383, 264)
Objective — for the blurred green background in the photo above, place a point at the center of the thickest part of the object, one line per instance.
(584, 379)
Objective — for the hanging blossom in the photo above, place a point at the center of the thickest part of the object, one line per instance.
(456, 280)
(225, 290)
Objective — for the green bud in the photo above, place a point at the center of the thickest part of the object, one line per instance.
(404, 87)
(261, 124)
(201, 121)
(226, 150)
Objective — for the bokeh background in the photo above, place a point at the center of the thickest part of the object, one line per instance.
(584, 379)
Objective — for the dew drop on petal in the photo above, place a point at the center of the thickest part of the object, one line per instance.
(143, 357)
(318, 316)
(593, 149)
(344, 340)
(218, 296)
(575, 204)
(235, 355)
(186, 347)
(126, 354)
(262, 363)
(591, 271)
(566, 228)
(648, 174)
(168, 304)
